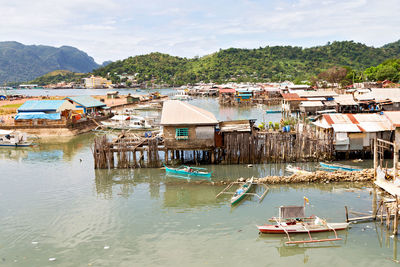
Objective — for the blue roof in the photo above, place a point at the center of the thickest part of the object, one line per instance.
(86, 101)
(40, 105)
(37, 115)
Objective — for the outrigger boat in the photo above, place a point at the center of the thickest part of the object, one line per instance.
(292, 220)
(243, 191)
(187, 170)
(339, 167)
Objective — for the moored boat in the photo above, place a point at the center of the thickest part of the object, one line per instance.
(242, 191)
(127, 122)
(292, 220)
(297, 170)
(339, 167)
(191, 171)
(10, 138)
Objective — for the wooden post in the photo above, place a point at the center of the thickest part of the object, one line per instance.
(396, 217)
(347, 214)
(387, 217)
(395, 160)
(166, 156)
(375, 156)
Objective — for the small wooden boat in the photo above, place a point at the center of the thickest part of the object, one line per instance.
(187, 170)
(242, 191)
(293, 169)
(339, 167)
(273, 111)
(292, 220)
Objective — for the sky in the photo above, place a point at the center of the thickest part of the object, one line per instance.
(117, 29)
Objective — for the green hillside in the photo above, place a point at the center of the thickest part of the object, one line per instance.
(59, 76)
(271, 63)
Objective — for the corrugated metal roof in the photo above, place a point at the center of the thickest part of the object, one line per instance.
(380, 94)
(40, 105)
(374, 126)
(235, 126)
(346, 128)
(322, 124)
(394, 117)
(176, 112)
(345, 100)
(86, 101)
(227, 90)
(320, 93)
(311, 104)
(292, 97)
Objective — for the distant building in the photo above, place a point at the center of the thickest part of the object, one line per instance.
(96, 82)
(86, 104)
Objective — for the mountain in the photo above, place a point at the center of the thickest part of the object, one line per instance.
(20, 62)
(270, 63)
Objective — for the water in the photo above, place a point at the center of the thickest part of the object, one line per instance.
(55, 205)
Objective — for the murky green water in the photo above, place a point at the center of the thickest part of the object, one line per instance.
(53, 204)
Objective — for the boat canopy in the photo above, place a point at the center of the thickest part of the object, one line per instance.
(5, 132)
(286, 212)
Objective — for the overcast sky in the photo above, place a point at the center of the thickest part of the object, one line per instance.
(116, 29)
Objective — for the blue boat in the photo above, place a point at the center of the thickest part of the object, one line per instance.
(339, 167)
(191, 171)
(273, 111)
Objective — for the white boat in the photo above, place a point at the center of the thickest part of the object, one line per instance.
(125, 122)
(182, 95)
(10, 138)
(297, 170)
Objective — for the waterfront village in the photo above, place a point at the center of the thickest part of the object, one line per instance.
(313, 125)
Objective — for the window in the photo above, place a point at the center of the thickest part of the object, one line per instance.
(181, 133)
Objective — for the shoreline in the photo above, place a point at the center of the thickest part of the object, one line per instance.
(318, 177)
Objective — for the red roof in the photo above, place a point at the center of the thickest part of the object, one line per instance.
(227, 90)
(292, 97)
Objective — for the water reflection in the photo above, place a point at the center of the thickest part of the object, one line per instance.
(49, 149)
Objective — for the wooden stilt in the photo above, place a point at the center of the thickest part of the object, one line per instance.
(396, 217)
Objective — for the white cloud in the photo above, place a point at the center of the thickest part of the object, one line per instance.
(116, 29)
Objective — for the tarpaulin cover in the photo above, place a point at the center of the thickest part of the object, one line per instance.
(40, 105)
(37, 115)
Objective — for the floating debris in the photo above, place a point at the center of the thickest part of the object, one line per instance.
(106, 247)
(52, 259)
(35, 242)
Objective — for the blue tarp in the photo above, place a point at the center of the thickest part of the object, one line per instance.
(37, 115)
(40, 105)
(86, 101)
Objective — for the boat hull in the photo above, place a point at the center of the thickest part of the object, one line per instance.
(338, 167)
(298, 228)
(200, 174)
(241, 196)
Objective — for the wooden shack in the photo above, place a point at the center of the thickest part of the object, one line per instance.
(187, 127)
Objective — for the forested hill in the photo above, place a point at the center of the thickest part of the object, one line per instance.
(269, 63)
(20, 62)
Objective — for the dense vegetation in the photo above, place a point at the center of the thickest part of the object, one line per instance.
(58, 76)
(262, 64)
(20, 62)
